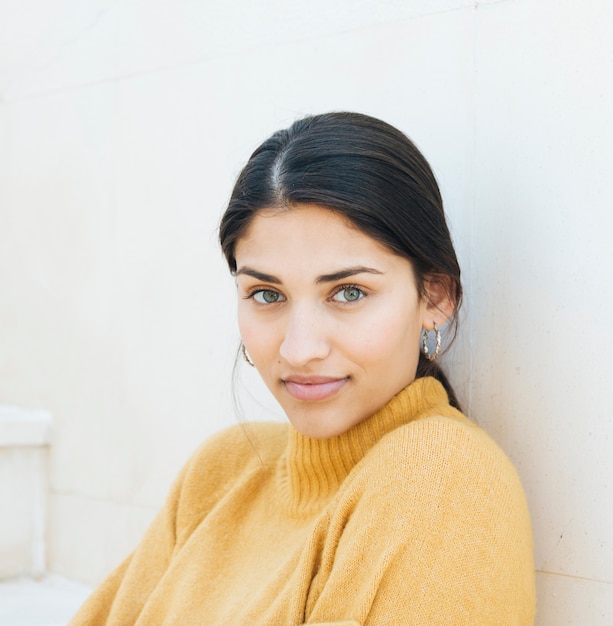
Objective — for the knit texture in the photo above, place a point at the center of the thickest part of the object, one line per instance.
(414, 516)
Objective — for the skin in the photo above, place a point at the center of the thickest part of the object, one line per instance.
(331, 318)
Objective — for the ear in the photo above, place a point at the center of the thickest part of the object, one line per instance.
(439, 301)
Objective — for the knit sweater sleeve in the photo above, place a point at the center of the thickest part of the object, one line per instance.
(440, 537)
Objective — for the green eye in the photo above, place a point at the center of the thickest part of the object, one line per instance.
(267, 296)
(348, 294)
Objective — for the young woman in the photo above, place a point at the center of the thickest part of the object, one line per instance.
(379, 503)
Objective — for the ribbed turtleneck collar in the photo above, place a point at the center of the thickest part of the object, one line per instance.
(313, 469)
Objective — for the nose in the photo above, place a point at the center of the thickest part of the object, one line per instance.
(305, 339)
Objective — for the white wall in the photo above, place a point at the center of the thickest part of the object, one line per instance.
(122, 126)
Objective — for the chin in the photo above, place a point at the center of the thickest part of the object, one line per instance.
(319, 425)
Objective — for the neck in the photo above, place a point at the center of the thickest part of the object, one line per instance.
(313, 469)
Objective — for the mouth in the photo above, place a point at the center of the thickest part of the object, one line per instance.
(313, 388)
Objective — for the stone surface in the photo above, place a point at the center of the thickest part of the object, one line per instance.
(49, 602)
(24, 485)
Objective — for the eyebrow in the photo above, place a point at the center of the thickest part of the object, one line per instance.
(265, 278)
(324, 278)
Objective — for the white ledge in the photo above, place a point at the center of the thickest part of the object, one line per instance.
(24, 427)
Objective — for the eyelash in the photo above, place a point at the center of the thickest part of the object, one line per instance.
(340, 288)
(252, 293)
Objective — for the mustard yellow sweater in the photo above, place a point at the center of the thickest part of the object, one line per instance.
(415, 516)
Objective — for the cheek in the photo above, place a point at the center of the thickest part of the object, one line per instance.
(392, 336)
(259, 339)
(246, 327)
(242, 318)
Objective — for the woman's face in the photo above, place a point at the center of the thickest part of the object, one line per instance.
(330, 317)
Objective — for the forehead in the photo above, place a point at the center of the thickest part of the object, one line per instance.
(307, 242)
(313, 227)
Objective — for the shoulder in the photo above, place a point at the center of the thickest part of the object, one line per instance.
(238, 447)
(442, 439)
(449, 499)
(445, 478)
(219, 465)
(447, 459)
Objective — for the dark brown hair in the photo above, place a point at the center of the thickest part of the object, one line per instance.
(367, 171)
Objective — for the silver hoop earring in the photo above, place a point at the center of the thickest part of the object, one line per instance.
(246, 356)
(424, 343)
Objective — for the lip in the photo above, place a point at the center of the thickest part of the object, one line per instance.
(313, 388)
